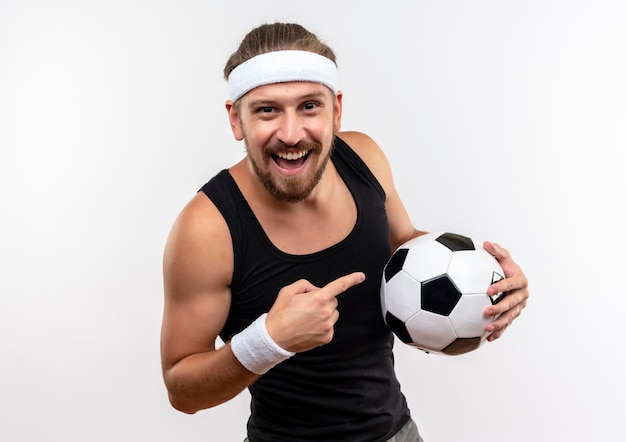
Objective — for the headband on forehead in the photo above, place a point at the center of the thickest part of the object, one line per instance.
(281, 67)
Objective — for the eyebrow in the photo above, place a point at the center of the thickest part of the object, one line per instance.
(266, 101)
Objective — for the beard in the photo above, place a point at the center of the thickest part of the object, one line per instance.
(295, 188)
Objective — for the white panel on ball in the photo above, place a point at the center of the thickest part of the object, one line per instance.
(472, 271)
(464, 318)
(405, 306)
(430, 331)
(431, 261)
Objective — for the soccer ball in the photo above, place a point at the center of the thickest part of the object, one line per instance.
(434, 292)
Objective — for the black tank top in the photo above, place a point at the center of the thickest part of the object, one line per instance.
(343, 391)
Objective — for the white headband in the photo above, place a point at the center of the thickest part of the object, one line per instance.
(281, 67)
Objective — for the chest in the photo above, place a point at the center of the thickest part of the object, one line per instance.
(313, 227)
(352, 235)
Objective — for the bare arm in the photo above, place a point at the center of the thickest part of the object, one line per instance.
(197, 268)
(400, 227)
(401, 230)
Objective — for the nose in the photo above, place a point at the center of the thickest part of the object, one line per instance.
(291, 130)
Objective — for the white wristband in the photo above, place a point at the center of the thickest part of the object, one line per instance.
(255, 348)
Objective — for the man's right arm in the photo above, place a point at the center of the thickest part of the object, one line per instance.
(197, 270)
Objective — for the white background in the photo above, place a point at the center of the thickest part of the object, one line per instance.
(504, 120)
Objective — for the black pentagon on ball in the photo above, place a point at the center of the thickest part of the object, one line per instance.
(456, 242)
(398, 328)
(395, 263)
(439, 295)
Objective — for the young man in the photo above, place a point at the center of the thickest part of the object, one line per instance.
(281, 256)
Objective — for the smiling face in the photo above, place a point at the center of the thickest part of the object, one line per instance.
(288, 129)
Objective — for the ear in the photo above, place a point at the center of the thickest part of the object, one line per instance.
(235, 121)
(337, 108)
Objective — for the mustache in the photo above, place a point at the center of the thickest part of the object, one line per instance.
(279, 146)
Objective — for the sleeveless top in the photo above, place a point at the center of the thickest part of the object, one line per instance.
(346, 390)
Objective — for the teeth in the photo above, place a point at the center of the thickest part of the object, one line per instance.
(291, 155)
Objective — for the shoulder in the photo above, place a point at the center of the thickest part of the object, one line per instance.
(370, 152)
(199, 239)
(361, 143)
(400, 227)
(199, 217)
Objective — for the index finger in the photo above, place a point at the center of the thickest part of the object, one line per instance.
(343, 283)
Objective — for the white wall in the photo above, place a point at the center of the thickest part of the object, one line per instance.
(503, 120)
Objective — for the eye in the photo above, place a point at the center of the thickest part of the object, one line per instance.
(309, 105)
(265, 109)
